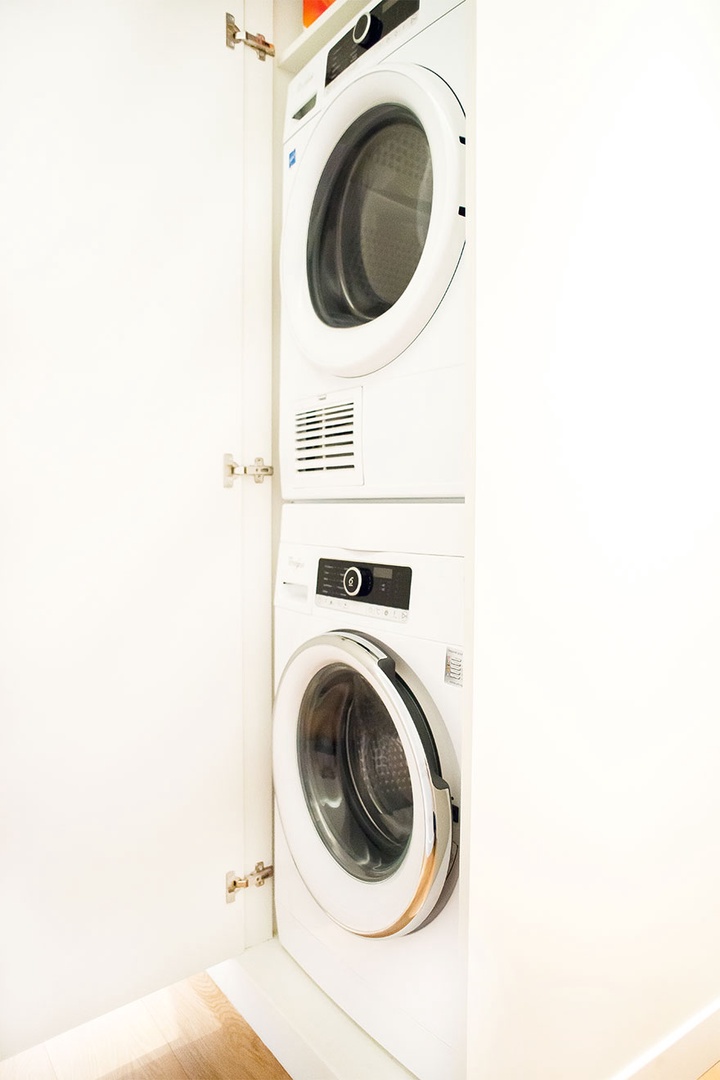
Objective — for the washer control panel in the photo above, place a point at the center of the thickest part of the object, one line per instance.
(379, 590)
(370, 28)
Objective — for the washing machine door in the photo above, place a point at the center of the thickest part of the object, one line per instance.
(366, 814)
(374, 224)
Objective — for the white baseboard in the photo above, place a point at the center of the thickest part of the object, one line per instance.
(685, 1054)
(308, 1034)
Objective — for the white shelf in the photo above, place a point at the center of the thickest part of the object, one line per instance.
(333, 19)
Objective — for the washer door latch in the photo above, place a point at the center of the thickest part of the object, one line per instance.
(231, 470)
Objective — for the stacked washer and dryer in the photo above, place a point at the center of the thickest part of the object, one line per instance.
(369, 600)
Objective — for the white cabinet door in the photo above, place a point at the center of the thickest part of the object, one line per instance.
(135, 604)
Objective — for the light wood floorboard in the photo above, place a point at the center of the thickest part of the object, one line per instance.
(228, 1049)
(32, 1065)
(189, 1031)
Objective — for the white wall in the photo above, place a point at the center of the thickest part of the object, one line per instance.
(595, 889)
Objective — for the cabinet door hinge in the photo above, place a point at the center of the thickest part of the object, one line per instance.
(234, 36)
(231, 470)
(258, 877)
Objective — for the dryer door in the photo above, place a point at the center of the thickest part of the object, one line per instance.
(374, 225)
(365, 811)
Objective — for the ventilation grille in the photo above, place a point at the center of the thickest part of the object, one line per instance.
(325, 439)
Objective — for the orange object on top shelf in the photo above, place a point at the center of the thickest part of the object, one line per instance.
(313, 8)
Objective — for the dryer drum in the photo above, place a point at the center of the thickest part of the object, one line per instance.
(373, 229)
(370, 217)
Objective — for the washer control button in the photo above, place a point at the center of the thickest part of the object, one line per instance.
(367, 31)
(357, 582)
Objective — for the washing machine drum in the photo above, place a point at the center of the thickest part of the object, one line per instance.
(374, 225)
(364, 809)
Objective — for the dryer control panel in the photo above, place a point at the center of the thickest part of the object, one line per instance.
(378, 590)
(370, 28)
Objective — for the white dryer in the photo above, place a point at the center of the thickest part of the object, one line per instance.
(366, 761)
(373, 315)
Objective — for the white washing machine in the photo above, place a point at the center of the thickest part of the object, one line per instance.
(374, 309)
(366, 761)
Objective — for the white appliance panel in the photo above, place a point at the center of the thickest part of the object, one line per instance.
(397, 371)
(405, 989)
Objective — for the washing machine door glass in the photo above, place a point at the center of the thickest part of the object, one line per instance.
(354, 773)
(365, 811)
(370, 217)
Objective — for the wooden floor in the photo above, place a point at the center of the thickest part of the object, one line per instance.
(189, 1031)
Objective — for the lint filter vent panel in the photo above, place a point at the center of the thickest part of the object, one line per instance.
(327, 446)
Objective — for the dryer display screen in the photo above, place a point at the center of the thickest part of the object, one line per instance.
(367, 31)
(379, 585)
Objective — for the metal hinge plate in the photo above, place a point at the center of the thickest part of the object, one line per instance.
(234, 36)
(233, 883)
(231, 470)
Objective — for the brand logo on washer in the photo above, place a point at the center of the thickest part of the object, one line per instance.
(295, 563)
(454, 666)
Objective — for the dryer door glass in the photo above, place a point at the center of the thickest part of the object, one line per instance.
(354, 773)
(370, 217)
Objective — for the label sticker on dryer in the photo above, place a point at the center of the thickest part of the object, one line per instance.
(454, 666)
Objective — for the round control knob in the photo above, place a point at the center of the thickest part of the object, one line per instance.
(367, 30)
(357, 582)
